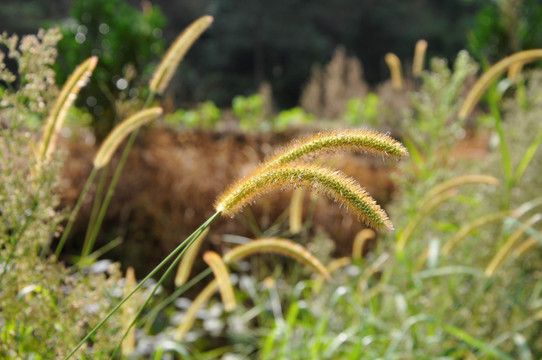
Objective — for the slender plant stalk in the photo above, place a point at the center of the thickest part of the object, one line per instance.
(506, 248)
(98, 198)
(189, 241)
(409, 229)
(171, 255)
(74, 212)
(190, 315)
(525, 246)
(458, 181)
(103, 156)
(468, 228)
(148, 318)
(491, 75)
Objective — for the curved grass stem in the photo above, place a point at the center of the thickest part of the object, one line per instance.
(176, 253)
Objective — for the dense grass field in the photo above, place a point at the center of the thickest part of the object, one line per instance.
(266, 250)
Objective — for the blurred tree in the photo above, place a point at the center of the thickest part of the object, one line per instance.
(126, 41)
(278, 41)
(505, 27)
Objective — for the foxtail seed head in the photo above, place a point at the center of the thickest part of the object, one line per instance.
(280, 246)
(333, 183)
(394, 65)
(354, 139)
(77, 80)
(222, 275)
(120, 132)
(419, 58)
(164, 72)
(483, 83)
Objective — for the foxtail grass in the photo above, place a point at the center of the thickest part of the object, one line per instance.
(190, 315)
(492, 74)
(296, 211)
(359, 242)
(413, 224)
(506, 249)
(515, 69)
(77, 80)
(526, 246)
(419, 58)
(394, 64)
(279, 246)
(272, 245)
(176, 52)
(333, 183)
(185, 266)
(120, 132)
(222, 276)
(466, 229)
(458, 181)
(359, 140)
(128, 344)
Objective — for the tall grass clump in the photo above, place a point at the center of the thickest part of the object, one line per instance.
(46, 307)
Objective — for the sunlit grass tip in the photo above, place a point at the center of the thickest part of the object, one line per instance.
(333, 183)
(394, 64)
(77, 80)
(120, 132)
(419, 58)
(165, 70)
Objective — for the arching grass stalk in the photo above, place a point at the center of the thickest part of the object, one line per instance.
(189, 241)
(103, 157)
(98, 198)
(74, 212)
(175, 253)
(332, 183)
(149, 318)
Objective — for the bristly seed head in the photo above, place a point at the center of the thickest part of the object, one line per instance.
(332, 183)
(355, 140)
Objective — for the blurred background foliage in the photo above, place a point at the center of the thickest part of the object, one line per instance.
(252, 43)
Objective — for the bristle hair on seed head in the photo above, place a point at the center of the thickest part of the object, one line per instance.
(332, 183)
(360, 140)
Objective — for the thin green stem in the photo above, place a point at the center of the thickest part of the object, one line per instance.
(75, 211)
(89, 242)
(88, 245)
(189, 241)
(173, 254)
(98, 197)
(149, 318)
(494, 99)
